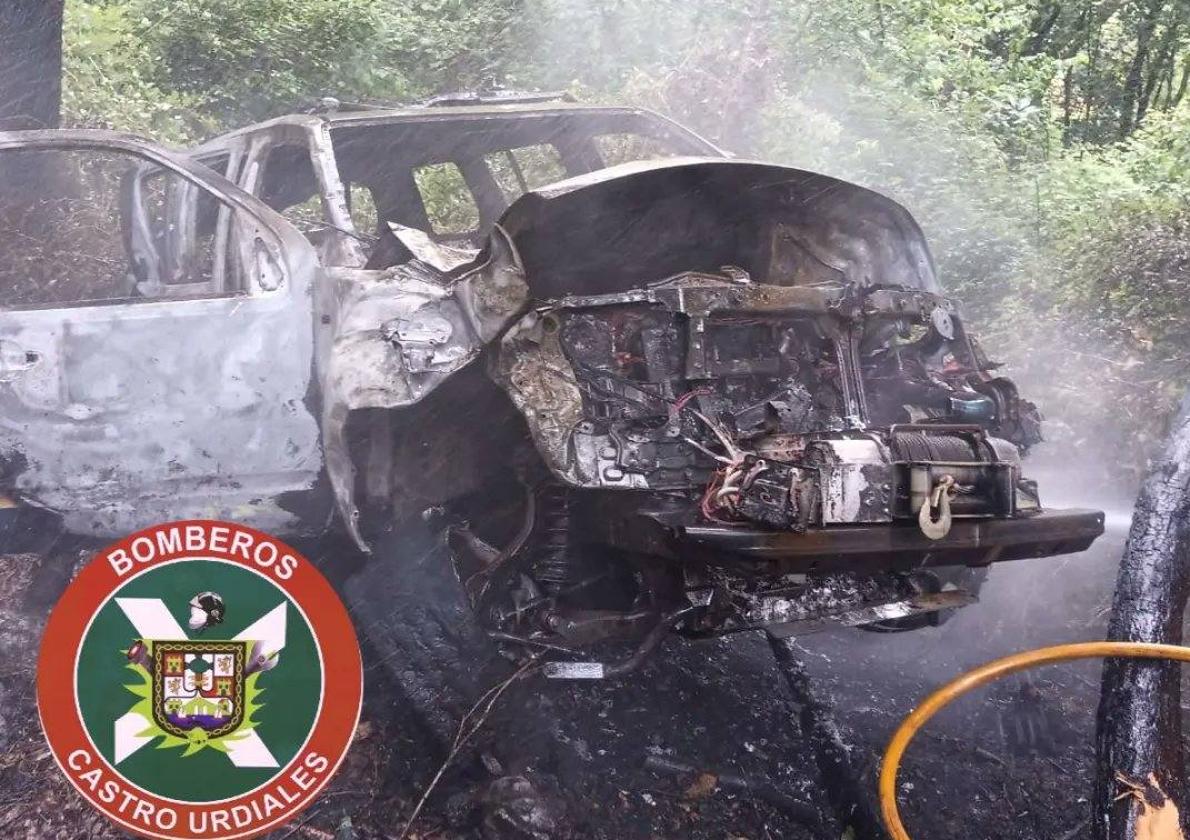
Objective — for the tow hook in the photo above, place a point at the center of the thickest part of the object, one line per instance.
(934, 516)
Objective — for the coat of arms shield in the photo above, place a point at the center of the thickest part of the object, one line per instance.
(198, 685)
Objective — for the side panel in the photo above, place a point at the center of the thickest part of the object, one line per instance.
(137, 414)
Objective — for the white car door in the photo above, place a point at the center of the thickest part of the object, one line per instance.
(156, 342)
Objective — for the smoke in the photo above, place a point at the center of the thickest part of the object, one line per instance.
(1105, 410)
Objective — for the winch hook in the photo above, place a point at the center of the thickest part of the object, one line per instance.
(938, 500)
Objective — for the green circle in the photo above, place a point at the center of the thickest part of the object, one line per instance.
(288, 702)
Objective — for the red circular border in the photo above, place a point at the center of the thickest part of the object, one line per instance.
(334, 633)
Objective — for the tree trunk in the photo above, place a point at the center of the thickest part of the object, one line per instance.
(1132, 83)
(1041, 30)
(30, 63)
(1092, 82)
(1139, 721)
(1067, 103)
(1166, 51)
(1181, 92)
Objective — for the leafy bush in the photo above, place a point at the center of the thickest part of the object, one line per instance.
(245, 59)
(108, 75)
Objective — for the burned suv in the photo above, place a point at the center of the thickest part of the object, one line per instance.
(568, 374)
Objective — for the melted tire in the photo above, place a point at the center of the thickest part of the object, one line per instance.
(409, 604)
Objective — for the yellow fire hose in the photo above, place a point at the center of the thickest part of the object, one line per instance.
(981, 676)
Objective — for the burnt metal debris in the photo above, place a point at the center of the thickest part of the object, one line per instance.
(642, 385)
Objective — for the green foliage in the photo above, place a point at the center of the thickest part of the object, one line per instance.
(996, 122)
(189, 67)
(246, 58)
(240, 59)
(445, 45)
(449, 205)
(106, 77)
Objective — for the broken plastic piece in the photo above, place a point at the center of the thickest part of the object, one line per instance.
(573, 670)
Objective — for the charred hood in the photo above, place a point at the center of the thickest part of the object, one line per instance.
(628, 226)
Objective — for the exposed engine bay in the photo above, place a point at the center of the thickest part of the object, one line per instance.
(756, 394)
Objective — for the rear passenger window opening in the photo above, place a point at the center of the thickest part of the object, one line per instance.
(450, 206)
(520, 170)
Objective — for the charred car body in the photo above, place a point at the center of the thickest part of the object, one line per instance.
(567, 373)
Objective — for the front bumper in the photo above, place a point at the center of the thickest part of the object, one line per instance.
(865, 547)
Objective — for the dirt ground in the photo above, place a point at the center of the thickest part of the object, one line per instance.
(718, 708)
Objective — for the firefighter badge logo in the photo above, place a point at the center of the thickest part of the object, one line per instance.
(197, 699)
